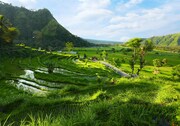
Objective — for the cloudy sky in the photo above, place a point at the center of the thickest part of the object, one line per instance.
(112, 19)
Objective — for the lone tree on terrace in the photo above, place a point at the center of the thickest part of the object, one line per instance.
(140, 48)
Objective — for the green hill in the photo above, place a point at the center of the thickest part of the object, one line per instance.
(167, 40)
(39, 28)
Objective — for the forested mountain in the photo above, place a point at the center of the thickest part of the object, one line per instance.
(39, 28)
(167, 40)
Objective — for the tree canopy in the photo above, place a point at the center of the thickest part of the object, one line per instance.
(7, 32)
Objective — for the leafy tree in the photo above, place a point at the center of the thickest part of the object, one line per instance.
(139, 51)
(147, 46)
(69, 46)
(135, 43)
(7, 32)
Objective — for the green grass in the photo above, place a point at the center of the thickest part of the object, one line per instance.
(89, 93)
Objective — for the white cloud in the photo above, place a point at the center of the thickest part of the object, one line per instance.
(89, 17)
(91, 4)
(93, 9)
(27, 3)
(99, 19)
(144, 20)
(131, 3)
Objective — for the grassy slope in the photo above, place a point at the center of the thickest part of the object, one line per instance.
(167, 40)
(146, 100)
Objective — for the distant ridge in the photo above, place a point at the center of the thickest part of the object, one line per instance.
(167, 40)
(39, 28)
(103, 41)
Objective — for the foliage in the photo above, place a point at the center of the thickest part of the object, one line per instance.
(164, 61)
(157, 63)
(135, 43)
(69, 46)
(139, 50)
(176, 71)
(7, 32)
(104, 55)
(171, 40)
(79, 96)
(50, 66)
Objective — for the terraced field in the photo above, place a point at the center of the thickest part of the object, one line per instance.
(68, 70)
(83, 92)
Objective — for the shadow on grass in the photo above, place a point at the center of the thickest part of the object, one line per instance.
(138, 87)
(118, 113)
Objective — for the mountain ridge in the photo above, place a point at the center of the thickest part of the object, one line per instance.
(95, 41)
(39, 28)
(166, 40)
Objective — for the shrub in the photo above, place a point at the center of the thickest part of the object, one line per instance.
(176, 71)
(164, 62)
(50, 66)
(157, 63)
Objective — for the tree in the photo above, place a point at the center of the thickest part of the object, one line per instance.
(139, 51)
(147, 46)
(7, 32)
(135, 43)
(69, 46)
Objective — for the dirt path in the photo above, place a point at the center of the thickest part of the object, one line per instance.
(121, 73)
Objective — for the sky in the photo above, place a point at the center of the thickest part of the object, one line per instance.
(116, 20)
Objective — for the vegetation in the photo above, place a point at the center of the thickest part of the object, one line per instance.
(7, 32)
(82, 92)
(39, 28)
(90, 87)
(167, 40)
(69, 46)
(176, 71)
(139, 51)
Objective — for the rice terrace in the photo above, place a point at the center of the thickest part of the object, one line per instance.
(51, 77)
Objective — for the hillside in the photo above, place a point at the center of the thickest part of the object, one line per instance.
(167, 40)
(39, 28)
(103, 41)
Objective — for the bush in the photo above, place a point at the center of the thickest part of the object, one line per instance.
(50, 66)
(164, 62)
(157, 63)
(176, 71)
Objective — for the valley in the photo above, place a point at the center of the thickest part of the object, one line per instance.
(51, 77)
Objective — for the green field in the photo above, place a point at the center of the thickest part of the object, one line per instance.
(83, 92)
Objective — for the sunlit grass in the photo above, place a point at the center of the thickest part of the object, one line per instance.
(91, 94)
